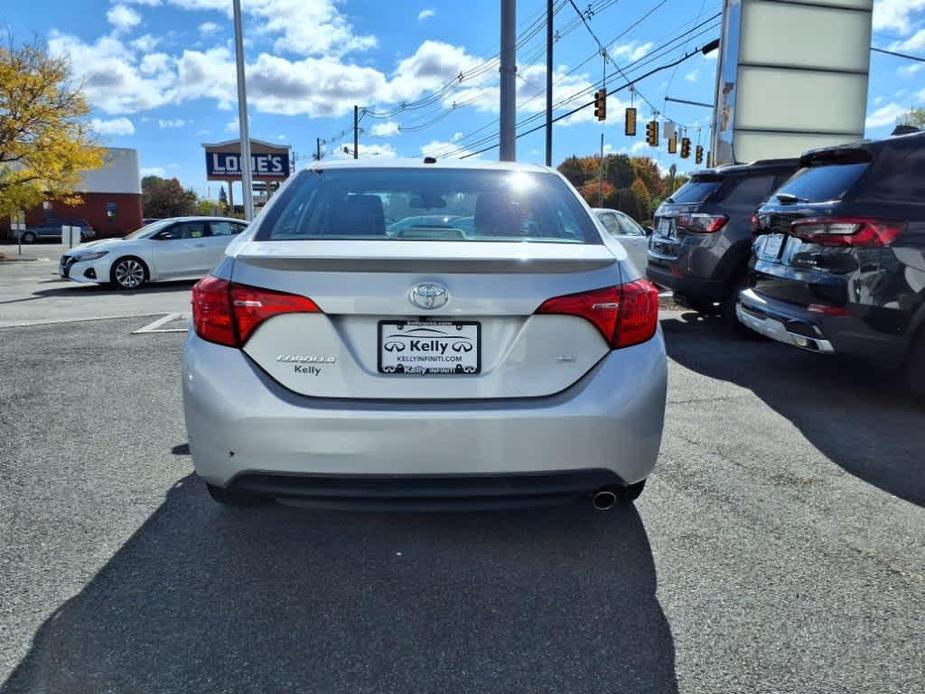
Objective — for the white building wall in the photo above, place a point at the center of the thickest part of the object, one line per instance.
(120, 174)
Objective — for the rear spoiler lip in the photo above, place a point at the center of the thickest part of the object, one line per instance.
(428, 265)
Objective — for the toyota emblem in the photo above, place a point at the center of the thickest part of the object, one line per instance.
(429, 295)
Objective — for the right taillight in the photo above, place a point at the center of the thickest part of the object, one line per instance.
(847, 231)
(701, 223)
(625, 315)
(228, 313)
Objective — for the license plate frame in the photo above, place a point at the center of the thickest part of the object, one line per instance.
(430, 361)
(771, 248)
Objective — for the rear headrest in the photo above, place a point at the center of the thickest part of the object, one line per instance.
(496, 214)
(358, 215)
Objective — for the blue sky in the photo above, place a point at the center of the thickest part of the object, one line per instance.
(160, 73)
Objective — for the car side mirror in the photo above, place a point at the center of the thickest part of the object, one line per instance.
(649, 231)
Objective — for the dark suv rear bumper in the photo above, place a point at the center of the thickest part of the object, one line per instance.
(696, 287)
(814, 332)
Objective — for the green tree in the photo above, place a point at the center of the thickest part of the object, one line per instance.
(165, 197)
(915, 117)
(223, 199)
(45, 141)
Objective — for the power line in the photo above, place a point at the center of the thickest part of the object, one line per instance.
(916, 58)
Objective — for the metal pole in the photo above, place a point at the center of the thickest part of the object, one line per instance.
(549, 61)
(317, 149)
(600, 175)
(246, 180)
(356, 132)
(508, 76)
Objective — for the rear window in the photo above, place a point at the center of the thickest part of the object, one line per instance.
(695, 190)
(822, 183)
(428, 204)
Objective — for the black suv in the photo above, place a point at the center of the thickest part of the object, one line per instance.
(839, 256)
(703, 232)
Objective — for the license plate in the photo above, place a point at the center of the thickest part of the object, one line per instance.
(422, 348)
(772, 246)
(665, 228)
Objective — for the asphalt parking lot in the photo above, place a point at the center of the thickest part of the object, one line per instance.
(778, 548)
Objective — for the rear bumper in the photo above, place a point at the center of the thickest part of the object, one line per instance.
(697, 287)
(824, 334)
(241, 422)
(427, 492)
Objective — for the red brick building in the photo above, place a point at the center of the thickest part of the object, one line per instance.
(111, 198)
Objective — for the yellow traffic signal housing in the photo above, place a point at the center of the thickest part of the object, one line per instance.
(600, 104)
(673, 144)
(698, 154)
(652, 133)
(685, 147)
(630, 122)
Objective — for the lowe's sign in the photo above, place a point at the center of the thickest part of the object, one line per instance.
(263, 165)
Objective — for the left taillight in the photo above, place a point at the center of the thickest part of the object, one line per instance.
(847, 231)
(700, 223)
(228, 313)
(625, 315)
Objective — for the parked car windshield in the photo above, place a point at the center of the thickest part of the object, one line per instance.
(148, 229)
(695, 190)
(432, 204)
(822, 183)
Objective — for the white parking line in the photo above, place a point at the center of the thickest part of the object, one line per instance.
(58, 321)
(155, 326)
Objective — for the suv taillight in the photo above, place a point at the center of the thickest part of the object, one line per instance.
(228, 313)
(626, 315)
(701, 223)
(847, 231)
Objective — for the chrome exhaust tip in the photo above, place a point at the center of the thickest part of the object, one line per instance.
(603, 500)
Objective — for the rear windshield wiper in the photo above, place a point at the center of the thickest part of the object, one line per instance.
(788, 199)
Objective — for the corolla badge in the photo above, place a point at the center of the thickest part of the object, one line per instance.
(429, 295)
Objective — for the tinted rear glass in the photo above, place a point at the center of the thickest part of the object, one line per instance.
(695, 190)
(822, 183)
(747, 191)
(428, 204)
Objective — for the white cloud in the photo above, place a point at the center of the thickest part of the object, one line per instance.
(387, 129)
(146, 43)
(345, 151)
(171, 122)
(153, 171)
(114, 126)
(426, 13)
(692, 76)
(457, 136)
(208, 28)
(885, 115)
(232, 126)
(154, 63)
(911, 69)
(148, 3)
(634, 50)
(894, 15)
(123, 18)
(441, 149)
(914, 43)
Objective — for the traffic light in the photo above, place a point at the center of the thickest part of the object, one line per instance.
(600, 104)
(685, 147)
(698, 154)
(652, 133)
(630, 122)
(673, 144)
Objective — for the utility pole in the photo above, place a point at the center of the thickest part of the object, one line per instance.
(508, 84)
(356, 132)
(246, 180)
(317, 149)
(549, 42)
(600, 176)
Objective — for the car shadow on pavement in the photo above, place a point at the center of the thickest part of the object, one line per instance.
(209, 598)
(86, 290)
(857, 414)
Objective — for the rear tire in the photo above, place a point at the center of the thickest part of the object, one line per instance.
(915, 368)
(28, 237)
(233, 497)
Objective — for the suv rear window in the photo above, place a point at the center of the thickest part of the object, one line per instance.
(822, 183)
(695, 190)
(429, 204)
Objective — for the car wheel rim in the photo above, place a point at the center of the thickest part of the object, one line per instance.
(129, 274)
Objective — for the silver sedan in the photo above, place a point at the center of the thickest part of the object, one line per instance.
(512, 359)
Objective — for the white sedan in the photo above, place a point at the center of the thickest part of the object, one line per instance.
(168, 249)
(623, 228)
